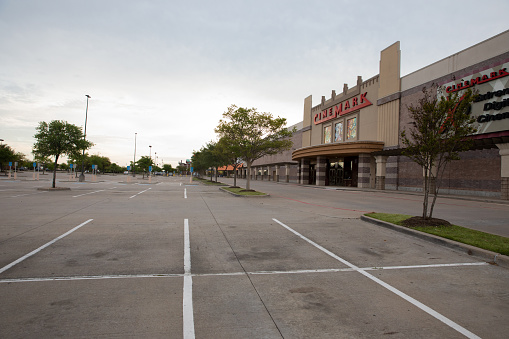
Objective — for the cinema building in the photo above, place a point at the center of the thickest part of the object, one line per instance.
(352, 138)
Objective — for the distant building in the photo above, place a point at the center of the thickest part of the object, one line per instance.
(353, 137)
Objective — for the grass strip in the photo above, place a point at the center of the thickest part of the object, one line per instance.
(208, 182)
(487, 241)
(240, 189)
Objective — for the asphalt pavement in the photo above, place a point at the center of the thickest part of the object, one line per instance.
(124, 257)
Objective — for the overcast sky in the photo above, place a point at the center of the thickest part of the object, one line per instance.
(167, 70)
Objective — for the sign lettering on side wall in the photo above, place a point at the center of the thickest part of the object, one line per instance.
(491, 107)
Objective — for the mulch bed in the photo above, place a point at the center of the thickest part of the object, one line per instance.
(420, 221)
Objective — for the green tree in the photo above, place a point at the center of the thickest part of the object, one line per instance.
(167, 168)
(252, 135)
(114, 168)
(58, 138)
(208, 157)
(437, 134)
(7, 154)
(143, 164)
(230, 154)
(102, 162)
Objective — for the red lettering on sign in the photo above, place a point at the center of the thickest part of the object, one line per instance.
(342, 108)
(338, 109)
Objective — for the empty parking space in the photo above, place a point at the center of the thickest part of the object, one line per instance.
(181, 260)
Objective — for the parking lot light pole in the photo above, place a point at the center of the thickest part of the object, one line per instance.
(82, 175)
(134, 160)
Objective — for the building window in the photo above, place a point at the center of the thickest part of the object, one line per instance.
(351, 129)
(338, 132)
(327, 134)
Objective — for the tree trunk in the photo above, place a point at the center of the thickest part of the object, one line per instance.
(55, 171)
(235, 176)
(248, 179)
(426, 194)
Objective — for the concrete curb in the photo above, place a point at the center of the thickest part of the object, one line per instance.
(244, 196)
(53, 189)
(489, 256)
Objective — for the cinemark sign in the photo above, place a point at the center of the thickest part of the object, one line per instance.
(342, 108)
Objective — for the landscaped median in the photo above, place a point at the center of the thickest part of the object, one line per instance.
(237, 191)
(209, 182)
(241, 192)
(488, 246)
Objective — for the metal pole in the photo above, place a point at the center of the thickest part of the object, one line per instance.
(82, 175)
(134, 161)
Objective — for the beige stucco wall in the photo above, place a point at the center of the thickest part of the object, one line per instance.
(390, 64)
(388, 123)
(490, 48)
(306, 123)
(368, 117)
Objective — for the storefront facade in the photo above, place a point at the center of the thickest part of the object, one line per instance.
(352, 138)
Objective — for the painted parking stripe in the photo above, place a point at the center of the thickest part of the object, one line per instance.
(140, 193)
(188, 324)
(75, 196)
(408, 298)
(177, 275)
(23, 195)
(5, 268)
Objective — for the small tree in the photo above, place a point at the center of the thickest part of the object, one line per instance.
(252, 135)
(7, 154)
(438, 133)
(58, 138)
(167, 168)
(230, 153)
(143, 164)
(208, 157)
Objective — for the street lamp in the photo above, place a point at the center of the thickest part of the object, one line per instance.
(82, 175)
(134, 161)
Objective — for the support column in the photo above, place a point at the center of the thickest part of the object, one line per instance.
(287, 173)
(381, 168)
(256, 173)
(364, 171)
(321, 169)
(504, 170)
(277, 173)
(269, 174)
(304, 172)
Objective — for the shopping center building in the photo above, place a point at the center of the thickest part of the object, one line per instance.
(352, 138)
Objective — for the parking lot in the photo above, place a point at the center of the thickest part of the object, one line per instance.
(171, 258)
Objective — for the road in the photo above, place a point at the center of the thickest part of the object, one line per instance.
(171, 259)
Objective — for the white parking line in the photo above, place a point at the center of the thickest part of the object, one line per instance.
(188, 315)
(175, 275)
(75, 196)
(185, 193)
(22, 195)
(140, 193)
(408, 298)
(5, 268)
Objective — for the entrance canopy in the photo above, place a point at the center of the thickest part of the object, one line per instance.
(338, 149)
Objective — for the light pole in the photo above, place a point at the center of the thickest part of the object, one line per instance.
(150, 158)
(134, 160)
(82, 175)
